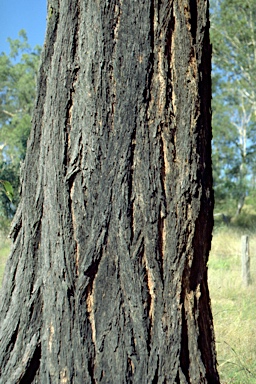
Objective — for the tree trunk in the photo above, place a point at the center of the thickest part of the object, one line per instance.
(107, 279)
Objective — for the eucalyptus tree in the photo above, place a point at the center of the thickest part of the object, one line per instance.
(233, 35)
(107, 280)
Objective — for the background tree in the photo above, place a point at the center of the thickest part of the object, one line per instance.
(234, 103)
(18, 72)
(107, 280)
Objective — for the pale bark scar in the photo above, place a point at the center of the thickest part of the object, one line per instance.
(64, 377)
(51, 333)
(90, 309)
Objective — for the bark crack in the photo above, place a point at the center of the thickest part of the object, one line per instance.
(162, 208)
(11, 343)
(130, 183)
(87, 297)
(149, 278)
(193, 19)
(32, 367)
(117, 12)
(69, 109)
(71, 80)
(184, 352)
(73, 215)
(29, 362)
(147, 93)
(16, 224)
(91, 273)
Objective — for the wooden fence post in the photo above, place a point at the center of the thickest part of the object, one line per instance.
(245, 260)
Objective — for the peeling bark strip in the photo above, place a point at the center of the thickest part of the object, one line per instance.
(107, 279)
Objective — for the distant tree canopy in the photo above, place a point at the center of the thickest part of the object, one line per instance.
(233, 35)
(18, 73)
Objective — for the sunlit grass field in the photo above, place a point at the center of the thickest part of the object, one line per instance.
(233, 305)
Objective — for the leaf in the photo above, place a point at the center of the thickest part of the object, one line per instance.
(8, 189)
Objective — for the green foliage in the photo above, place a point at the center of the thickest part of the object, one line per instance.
(246, 220)
(233, 36)
(7, 188)
(10, 174)
(18, 73)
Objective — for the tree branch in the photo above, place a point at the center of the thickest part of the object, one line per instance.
(8, 113)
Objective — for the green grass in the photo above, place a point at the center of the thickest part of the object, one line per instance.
(234, 307)
(4, 252)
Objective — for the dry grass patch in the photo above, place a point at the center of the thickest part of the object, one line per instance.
(234, 307)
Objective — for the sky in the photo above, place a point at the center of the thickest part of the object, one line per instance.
(22, 14)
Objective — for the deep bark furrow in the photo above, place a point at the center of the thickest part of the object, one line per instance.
(193, 20)
(150, 65)
(11, 337)
(72, 74)
(68, 122)
(184, 353)
(131, 196)
(29, 359)
(74, 225)
(163, 210)
(31, 370)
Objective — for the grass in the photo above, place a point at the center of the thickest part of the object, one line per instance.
(234, 307)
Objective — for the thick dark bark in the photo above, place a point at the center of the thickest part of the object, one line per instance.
(107, 279)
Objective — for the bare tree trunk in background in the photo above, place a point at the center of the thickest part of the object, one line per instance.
(107, 279)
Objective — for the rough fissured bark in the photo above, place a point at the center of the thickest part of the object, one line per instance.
(107, 279)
